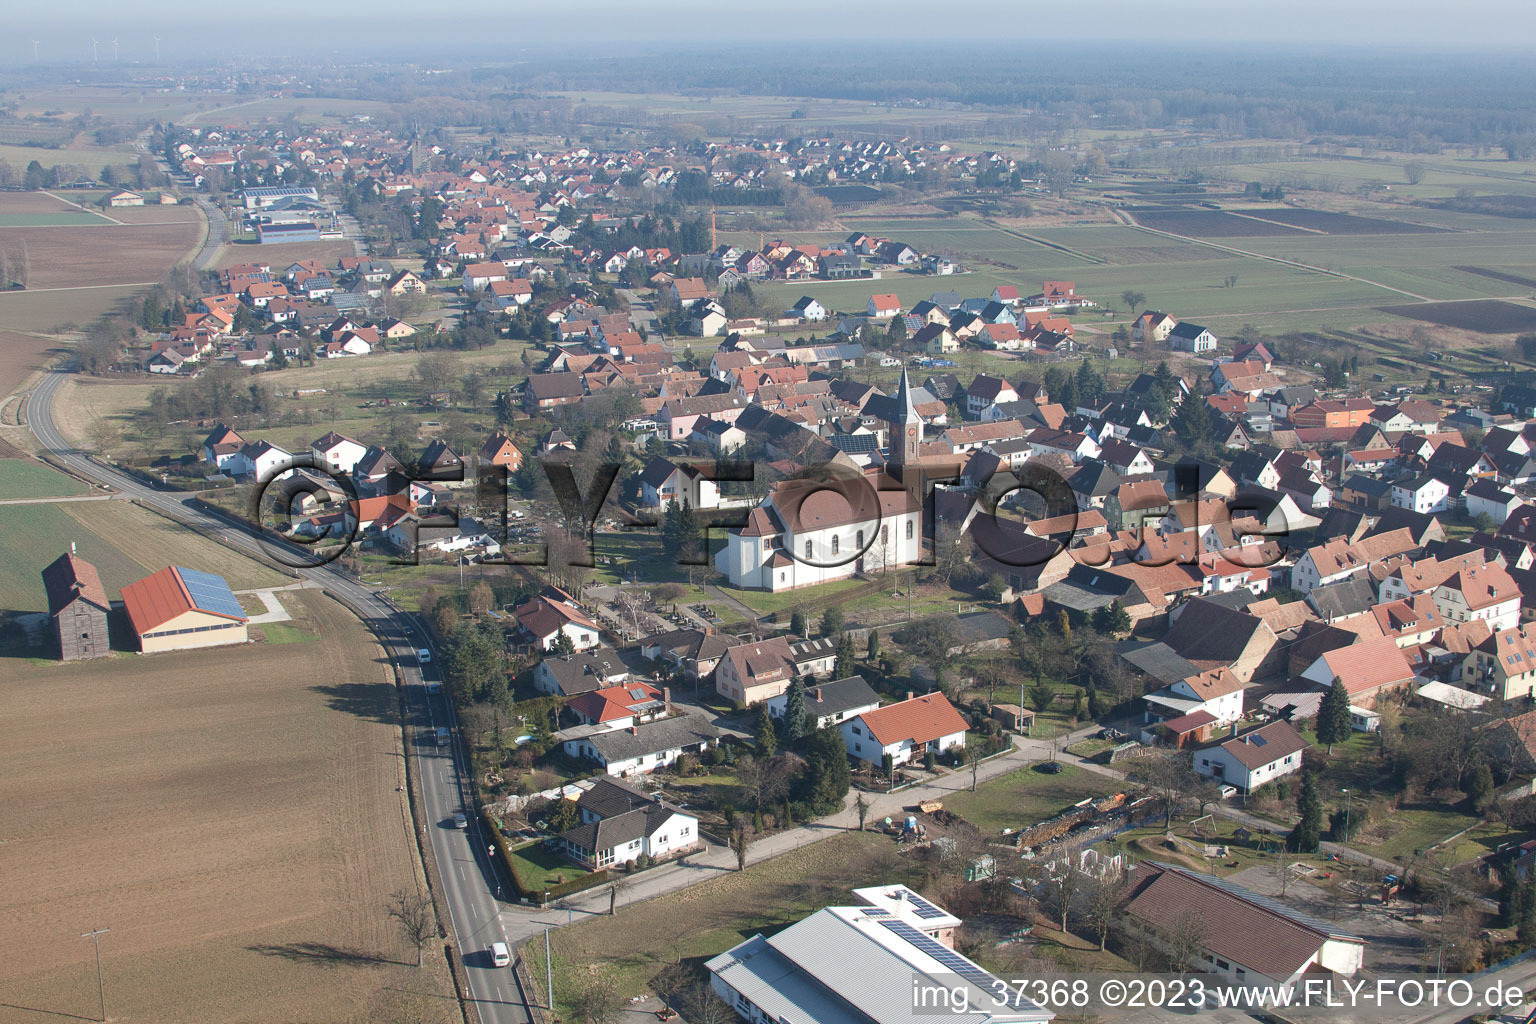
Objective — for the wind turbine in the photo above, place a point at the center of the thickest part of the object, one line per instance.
(114, 49)
(34, 50)
(93, 51)
(157, 49)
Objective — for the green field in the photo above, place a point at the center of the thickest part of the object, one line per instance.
(31, 536)
(62, 219)
(22, 478)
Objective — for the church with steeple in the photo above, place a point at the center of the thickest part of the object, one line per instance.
(905, 429)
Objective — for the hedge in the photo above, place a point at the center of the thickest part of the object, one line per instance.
(498, 840)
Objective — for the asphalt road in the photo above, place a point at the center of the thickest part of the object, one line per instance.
(469, 880)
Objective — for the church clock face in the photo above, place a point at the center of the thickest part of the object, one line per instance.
(911, 431)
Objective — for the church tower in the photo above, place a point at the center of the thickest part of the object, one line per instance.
(906, 427)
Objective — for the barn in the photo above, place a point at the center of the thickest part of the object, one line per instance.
(175, 609)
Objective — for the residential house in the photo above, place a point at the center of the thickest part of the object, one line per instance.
(642, 749)
(664, 482)
(572, 674)
(905, 730)
(1251, 759)
(760, 669)
(545, 620)
(831, 703)
(1191, 337)
(619, 825)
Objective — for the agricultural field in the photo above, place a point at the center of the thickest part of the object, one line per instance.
(20, 354)
(130, 805)
(105, 255)
(23, 478)
(327, 252)
(1490, 316)
(1208, 224)
(124, 542)
(1339, 223)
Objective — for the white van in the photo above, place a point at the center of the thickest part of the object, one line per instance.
(500, 955)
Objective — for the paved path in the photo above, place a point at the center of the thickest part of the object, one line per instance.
(275, 611)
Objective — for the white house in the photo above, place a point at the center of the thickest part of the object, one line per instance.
(572, 674)
(1421, 494)
(831, 703)
(1258, 756)
(664, 482)
(1188, 337)
(883, 305)
(261, 460)
(1218, 693)
(1486, 498)
(619, 825)
(642, 749)
(808, 309)
(338, 452)
(545, 620)
(905, 730)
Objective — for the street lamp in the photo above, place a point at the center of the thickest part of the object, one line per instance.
(1346, 814)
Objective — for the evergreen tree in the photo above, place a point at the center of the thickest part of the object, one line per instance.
(1333, 724)
(832, 621)
(767, 739)
(874, 645)
(1480, 787)
(847, 657)
(1112, 618)
(1304, 837)
(563, 643)
(794, 712)
(797, 623)
(1090, 386)
(1192, 423)
(826, 779)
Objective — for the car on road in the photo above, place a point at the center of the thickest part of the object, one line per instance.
(501, 956)
(1228, 792)
(433, 686)
(1049, 767)
(459, 820)
(423, 656)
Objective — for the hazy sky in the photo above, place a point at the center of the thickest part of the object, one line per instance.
(486, 27)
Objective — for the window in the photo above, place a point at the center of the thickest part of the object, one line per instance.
(858, 541)
(909, 529)
(834, 543)
(807, 549)
(885, 535)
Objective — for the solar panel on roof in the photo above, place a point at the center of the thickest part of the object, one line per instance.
(210, 593)
(958, 964)
(1259, 741)
(923, 908)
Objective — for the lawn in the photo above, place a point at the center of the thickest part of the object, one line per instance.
(23, 478)
(1026, 796)
(539, 867)
(705, 919)
(765, 603)
(285, 633)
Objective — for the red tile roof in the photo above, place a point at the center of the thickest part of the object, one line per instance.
(160, 597)
(921, 720)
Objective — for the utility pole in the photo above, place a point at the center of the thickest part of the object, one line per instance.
(101, 993)
(1346, 815)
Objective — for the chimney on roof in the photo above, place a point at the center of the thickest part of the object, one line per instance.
(909, 695)
(1234, 729)
(71, 547)
(634, 730)
(818, 695)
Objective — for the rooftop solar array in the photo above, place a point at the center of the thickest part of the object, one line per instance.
(210, 593)
(922, 907)
(958, 964)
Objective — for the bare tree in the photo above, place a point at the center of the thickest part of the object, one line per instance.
(861, 808)
(700, 1005)
(418, 923)
(1168, 774)
(1105, 891)
(1413, 170)
(1183, 939)
(597, 1000)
